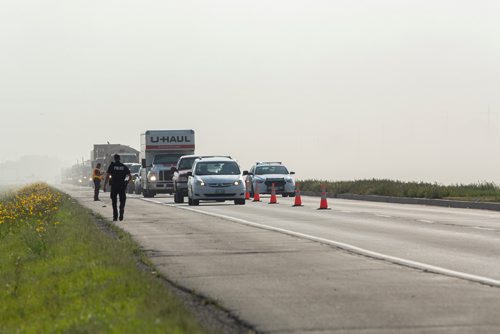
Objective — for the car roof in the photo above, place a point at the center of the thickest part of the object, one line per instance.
(268, 163)
(204, 156)
(215, 159)
(190, 156)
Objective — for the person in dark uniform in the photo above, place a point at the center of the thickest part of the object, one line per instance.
(118, 173)
(97, 178)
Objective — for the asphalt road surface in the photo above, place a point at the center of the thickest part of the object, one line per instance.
(360, 267)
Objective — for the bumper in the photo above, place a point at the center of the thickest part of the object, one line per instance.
(161, 187)
(286, 188)
(226, 193)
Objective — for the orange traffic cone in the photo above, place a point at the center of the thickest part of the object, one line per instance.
(247, 192)
(323, 205)
(298, 199)
(256, 195)
(273, 200)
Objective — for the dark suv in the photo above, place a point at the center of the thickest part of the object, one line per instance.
(180, 178)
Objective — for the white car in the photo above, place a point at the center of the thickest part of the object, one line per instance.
(264, 174)
(216, 179)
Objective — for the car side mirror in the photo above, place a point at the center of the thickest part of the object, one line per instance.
(143, 163)
(245, 172)
(189, 174)
(292, 173)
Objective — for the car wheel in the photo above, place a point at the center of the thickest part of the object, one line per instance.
(239, 201)
(190, 201)
(291, 194)
(284, 195)
(196, 202)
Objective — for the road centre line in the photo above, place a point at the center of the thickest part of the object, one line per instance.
(383, 216)
(425, 221)
(347, 247)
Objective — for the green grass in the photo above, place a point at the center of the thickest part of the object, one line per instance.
(488, 192)
(77, 279)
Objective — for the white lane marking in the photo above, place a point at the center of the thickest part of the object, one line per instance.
(353, 249)
(345, 211)
(383, 216)
(425, 221)
(485, 228)
(152, 201)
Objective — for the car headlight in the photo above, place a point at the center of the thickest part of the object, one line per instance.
(237, 183)
(259, 180)
(152, 178)
(201, 183)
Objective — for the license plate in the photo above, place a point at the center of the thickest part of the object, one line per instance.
(220, 191)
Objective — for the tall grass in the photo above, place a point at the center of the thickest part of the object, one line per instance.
(483, 191)
(61, 274)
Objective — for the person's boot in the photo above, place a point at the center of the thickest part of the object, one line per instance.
(121, 215)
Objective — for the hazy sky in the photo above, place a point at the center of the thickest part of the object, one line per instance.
(336, 89)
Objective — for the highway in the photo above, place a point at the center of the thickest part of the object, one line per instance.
(360, 267)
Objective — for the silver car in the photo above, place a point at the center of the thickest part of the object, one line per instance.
(264, 174)
(216, 179)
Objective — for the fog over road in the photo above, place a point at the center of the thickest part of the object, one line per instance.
(283, 283)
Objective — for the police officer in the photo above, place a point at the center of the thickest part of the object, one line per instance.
(97, 177)
(118, 172)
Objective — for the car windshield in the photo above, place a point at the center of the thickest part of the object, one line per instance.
(128, 158)
(217, 168)
(262, 170)
(166, 159)
(134, 168)
(186, 163)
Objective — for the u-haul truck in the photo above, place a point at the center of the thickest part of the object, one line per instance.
(160, 151)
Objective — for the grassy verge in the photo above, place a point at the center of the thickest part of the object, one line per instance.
(486, 192)
(60, 273)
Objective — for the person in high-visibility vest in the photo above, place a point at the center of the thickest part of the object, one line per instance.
(97, 178)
